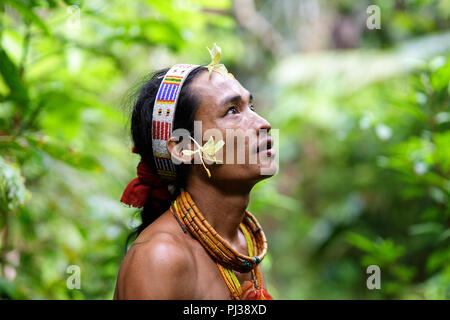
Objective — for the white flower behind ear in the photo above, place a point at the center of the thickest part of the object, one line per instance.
(208, 151)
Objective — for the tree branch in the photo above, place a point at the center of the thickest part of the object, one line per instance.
(248, 18)
(219, 12)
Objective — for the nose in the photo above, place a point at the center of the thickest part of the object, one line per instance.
(262, 124)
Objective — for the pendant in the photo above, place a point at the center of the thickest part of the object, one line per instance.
(249, 292)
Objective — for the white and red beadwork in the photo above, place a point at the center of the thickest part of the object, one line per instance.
(163, 115)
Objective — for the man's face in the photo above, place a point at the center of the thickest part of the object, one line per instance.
(226, 112)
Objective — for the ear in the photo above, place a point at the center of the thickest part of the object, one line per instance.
(175, 148)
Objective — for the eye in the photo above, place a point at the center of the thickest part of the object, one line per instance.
(252, 107)
(232, 110)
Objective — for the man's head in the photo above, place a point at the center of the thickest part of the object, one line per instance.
(225, 110)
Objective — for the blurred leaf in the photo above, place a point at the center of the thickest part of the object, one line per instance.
(360, 242)
(438, 259)
(12, 78)
(64, 153)
(13, 192)
(28, 14)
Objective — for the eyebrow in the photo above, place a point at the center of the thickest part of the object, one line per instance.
(235, 98)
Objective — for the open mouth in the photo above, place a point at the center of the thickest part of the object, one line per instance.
(266, 146)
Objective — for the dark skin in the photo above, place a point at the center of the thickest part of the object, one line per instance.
(166, 263)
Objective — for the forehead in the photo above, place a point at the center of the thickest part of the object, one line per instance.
(213, 89)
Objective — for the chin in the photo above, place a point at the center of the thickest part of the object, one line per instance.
(263, 171)
(268, 168)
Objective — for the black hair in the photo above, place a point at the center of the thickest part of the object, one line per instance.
(141, 127)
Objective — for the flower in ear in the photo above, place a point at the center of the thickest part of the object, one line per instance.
(214, 65)
(208, 151)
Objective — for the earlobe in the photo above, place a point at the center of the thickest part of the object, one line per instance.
(175, 149)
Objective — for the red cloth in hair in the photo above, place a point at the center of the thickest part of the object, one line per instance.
(147, 186)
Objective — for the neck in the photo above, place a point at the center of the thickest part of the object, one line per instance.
(224, 209)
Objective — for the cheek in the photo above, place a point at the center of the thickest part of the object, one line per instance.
(239, 137)
(239, 151)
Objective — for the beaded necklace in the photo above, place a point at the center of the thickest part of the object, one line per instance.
(230, 278)
(225, 256)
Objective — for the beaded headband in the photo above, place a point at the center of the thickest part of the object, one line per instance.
(165, 105)
(163, 115)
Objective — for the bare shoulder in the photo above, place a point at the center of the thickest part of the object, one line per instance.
(159, 267)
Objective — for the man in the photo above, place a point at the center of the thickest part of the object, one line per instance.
(165, 261)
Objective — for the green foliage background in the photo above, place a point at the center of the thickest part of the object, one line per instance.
(364, 119)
